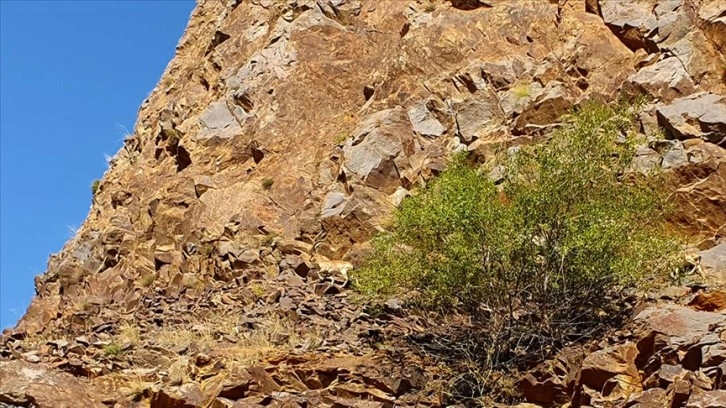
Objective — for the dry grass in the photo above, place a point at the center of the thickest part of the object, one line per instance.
(521, 90)
(257, 289)
(274, 334)
(35, 341)
(129, 334)
(202, 335)
(130, 385)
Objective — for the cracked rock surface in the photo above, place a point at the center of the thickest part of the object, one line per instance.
(192, 281)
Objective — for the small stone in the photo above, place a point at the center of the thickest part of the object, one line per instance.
(60, 344)
(393, 305)
(273, 297)
(31, 357)
(180, 349)
(675, 157)
(202, 360)
(669, 373)
(679, 392)
(287, 303)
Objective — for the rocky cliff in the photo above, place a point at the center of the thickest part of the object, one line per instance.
(190, 284)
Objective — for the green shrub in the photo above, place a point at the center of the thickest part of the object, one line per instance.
(545, 258)
(207, 249)
(341, 138)
(148, 280)
(173, 137)
(95, 186)
(267, 183)
(112, 349)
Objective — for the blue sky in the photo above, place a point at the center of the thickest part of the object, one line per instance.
(72, 77)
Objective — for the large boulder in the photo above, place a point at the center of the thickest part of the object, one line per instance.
(701, 115)
(713, 262)
(34, 385)
(679, 325)
(612, 372)
(700, 190)
(379, 150)
(633, 23)
(666, 79)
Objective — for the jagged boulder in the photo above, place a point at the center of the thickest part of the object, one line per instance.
(609, 375)
(701, 115)
(713, 262)
(633, 23)
(666, 79)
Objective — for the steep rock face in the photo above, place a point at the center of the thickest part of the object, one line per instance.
(343, 99)
(276, 120)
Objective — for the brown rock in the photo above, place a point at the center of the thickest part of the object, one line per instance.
(701, 197)
(236, 385)
(666, 79)
(680, 325)
(709, 301)
(679, 392)
(652, 398)
(554, 101)
(613, 371)
(547, 391)
(670, 373)
(710, 399)
(187, 395)
(633, 23)
(24, 384)
(713, 263)
(713, 354)
(720, 377)
(699, 115)
(263, 381)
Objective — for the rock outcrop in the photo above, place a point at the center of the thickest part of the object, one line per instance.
(671, 356)
(34, 385)
(192, 282)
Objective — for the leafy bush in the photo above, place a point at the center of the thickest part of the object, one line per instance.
(267, 183)
(112, 349)
(95, 186)
(148, 280)
(173, 137)
(542, 259)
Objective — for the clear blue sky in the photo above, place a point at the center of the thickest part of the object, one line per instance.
(72, 77)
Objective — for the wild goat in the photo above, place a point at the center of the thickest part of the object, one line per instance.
(327, 267)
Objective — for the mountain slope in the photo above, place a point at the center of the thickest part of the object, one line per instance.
(193, 277)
